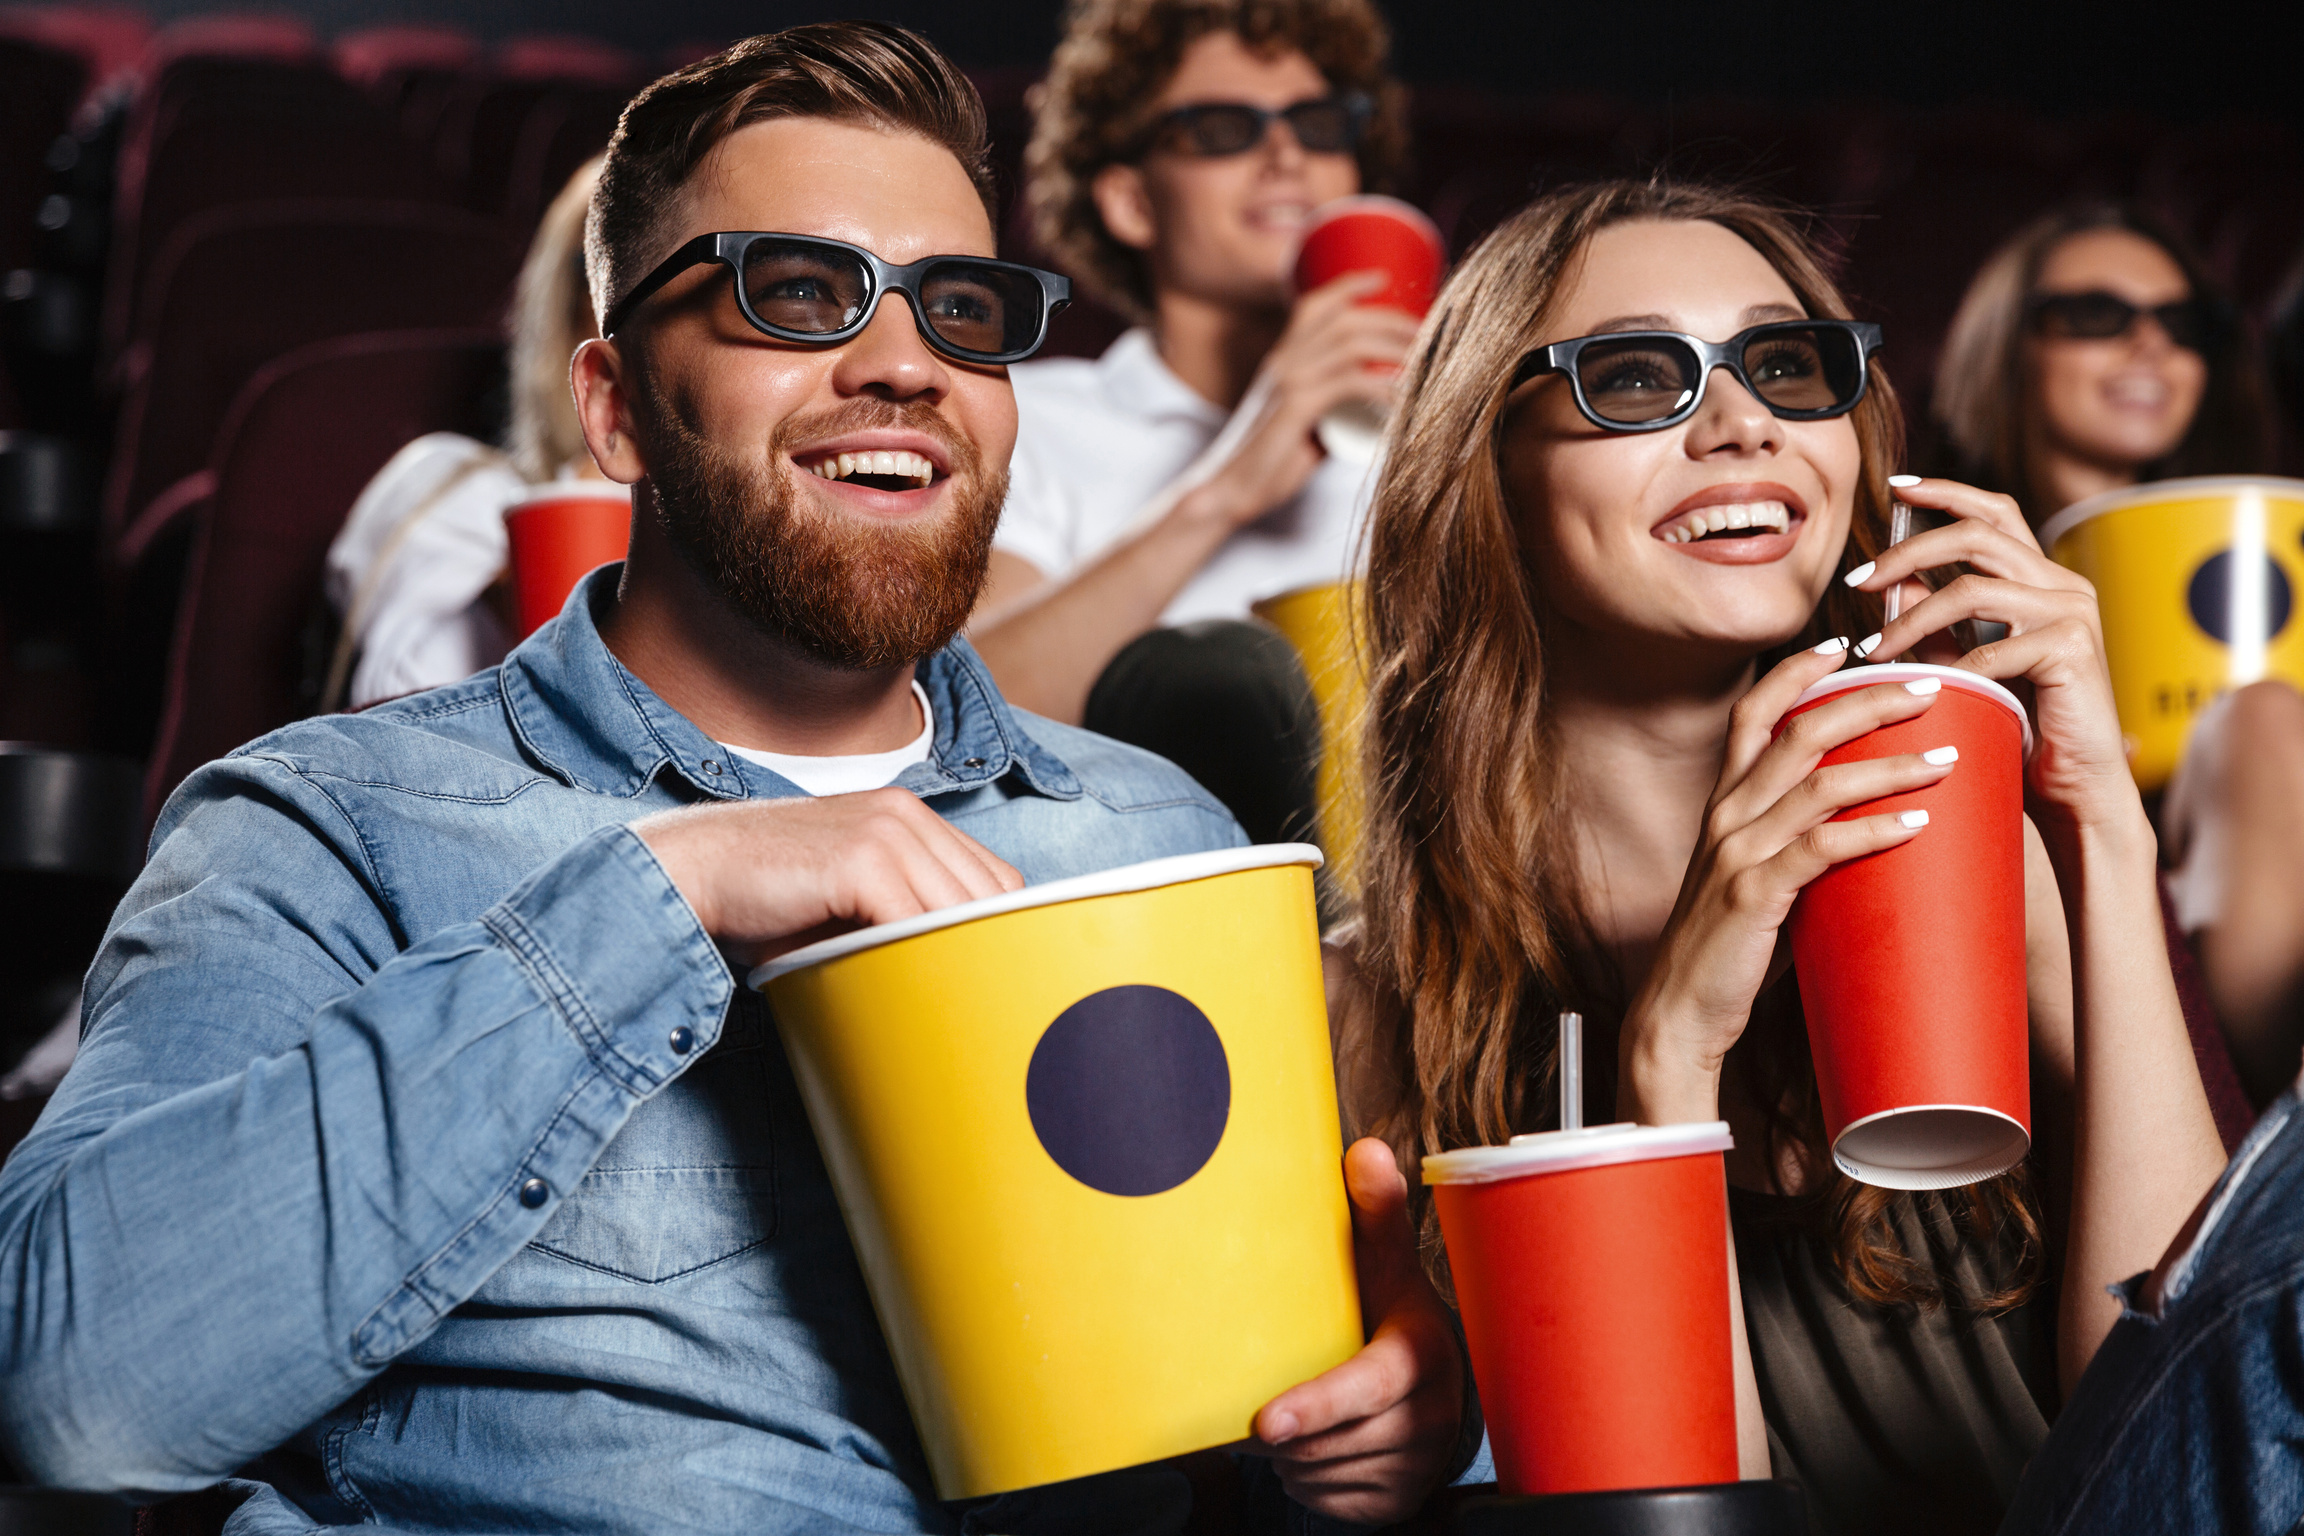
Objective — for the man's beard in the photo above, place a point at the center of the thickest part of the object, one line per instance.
(845, 591)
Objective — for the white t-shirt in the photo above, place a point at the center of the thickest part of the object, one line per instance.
(408, 570)
(1097, 440)
(850, 775)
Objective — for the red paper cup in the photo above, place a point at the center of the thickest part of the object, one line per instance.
(1373, 234)
(1591, 1269)
(1911, 961)
(1369, 234)
(560, 534)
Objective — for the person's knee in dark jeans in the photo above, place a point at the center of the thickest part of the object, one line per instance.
(1228, 702)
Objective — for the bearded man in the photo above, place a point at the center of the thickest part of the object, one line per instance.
(424, 1165)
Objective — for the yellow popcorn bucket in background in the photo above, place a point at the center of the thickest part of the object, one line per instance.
(1321, 622)
(1085, 1138)
(2197, 580)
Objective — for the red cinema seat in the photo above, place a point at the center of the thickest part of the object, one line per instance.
(240, 286)
(309, 431)
(257, 132)
(108, 40)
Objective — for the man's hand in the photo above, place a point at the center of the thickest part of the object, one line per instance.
(1368, 1440)
(1335, 349)
(766, 876)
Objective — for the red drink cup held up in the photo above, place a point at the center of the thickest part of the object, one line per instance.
(1591, 1268)
(1369, 234)
(561, 533)
(1911, 961)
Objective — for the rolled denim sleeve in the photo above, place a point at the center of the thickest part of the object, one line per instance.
(294, 1140)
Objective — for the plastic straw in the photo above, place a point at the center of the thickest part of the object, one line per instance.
(1571, 1071)
(1899, 529)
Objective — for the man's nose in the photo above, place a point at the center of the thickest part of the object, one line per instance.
(889, 358)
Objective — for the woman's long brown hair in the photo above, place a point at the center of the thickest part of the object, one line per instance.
(1472, 934)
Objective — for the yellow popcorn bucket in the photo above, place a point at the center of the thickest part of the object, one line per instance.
(2197, 580)
(1085, 1138)
(1320, 621)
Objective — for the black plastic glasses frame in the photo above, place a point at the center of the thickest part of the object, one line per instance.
(2196, 323)
(1355, 105)
(728, 248)
(1561, 357)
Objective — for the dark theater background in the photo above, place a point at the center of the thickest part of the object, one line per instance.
(247, 255)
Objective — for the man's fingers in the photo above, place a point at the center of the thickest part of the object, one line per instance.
(1372, 1381)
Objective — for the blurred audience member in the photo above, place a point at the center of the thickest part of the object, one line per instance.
(1161, 489)
(2092, 352)
(414, 575)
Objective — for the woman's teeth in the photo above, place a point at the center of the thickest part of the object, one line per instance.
(1771, 516)
(893, 464)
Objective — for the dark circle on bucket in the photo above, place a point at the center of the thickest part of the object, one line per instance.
(1129, 1090)
(2209, 597)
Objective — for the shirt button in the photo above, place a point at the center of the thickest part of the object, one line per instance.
(711, 765)
(973, 762)
(534, 1193)
(683, 1040)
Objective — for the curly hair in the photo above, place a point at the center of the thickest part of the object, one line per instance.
(1115, 57)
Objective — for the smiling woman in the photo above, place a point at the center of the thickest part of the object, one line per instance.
(2092, 351)
(1633, 507)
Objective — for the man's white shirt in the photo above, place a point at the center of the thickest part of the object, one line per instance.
(1098, 440)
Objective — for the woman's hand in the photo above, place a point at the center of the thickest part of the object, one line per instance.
(1768, 831)
(2055, 641)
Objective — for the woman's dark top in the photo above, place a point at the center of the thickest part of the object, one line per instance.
(1892, 1419)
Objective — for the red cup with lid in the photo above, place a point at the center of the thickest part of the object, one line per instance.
(1911, 960)
(1591, 1270)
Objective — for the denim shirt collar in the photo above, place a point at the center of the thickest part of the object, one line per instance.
(588, 721)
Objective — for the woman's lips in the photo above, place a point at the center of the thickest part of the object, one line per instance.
(1726, 529)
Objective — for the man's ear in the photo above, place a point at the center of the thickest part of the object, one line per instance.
(600, 376)
(1125, 204)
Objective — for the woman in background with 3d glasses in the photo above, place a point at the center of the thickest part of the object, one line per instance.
(2092, 353)
(1638, 459)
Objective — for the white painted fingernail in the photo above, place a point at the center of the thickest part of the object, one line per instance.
(1833, 646)
(1914, 819)
(1901, 481)
(1942, 755)
(1923, 686)
(1855, 578)
(1868, 644)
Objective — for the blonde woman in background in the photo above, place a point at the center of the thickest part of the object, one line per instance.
(2093, 353)
(414, 577)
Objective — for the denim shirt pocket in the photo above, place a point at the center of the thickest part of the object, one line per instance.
(691, 1179)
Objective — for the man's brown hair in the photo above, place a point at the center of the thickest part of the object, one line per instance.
(864, 72)
(1116, 56)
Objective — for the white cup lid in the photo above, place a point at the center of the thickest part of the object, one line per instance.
(1595, 1146)
(576, 488)
(1908, 671)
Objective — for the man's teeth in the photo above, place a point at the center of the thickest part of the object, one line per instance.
(1748, 514)
(896, 463)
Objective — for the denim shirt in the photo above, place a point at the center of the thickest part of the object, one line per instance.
(425, 1165)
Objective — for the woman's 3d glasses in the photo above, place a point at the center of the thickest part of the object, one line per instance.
(2192, 323)
(1641, 381)
(817, 292)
